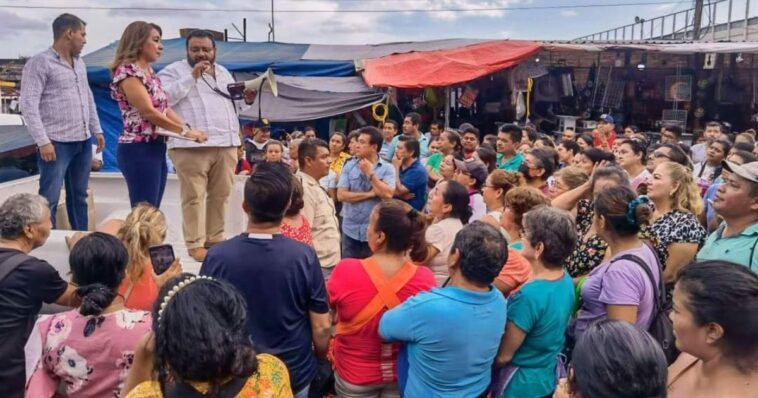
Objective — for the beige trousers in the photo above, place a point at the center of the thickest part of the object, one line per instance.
(206, 178)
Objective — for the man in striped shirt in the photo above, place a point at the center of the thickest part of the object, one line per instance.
(60, 114)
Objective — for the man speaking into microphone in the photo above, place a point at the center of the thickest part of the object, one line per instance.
(196, 89)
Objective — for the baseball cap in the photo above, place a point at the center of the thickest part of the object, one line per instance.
(261, 124)
(748, 171)
(605, 118)
(475, 168)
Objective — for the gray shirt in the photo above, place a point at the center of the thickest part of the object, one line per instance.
(56, 100)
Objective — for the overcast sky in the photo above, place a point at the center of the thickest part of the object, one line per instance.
(27, 31)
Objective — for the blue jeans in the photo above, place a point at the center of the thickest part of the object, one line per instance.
(144, 168)
(352, 248)
(71, 166)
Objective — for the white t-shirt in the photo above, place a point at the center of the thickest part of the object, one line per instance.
(441, 235)
(478, 207)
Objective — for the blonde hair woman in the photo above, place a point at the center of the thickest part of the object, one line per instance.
(674, 228)
(144, 227)
(497, 184)
(146, 115)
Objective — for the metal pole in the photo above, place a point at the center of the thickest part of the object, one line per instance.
(652, 23)
(713, 22)
(686, 23)
(673, 28)
(244, 29)
(663, 23)
(273, 32)
(747, 12)
(226, 34)
(697, 19)
(447, 107)
(729, 22)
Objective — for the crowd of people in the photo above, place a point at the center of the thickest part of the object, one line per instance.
(387, 262)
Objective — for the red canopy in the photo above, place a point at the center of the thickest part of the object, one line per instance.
(446, 67)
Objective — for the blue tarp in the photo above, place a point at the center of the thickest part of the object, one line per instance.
(285, 59)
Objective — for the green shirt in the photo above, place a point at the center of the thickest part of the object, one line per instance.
(512, 164)
(542, 309)
(740, 248)
(435, 161)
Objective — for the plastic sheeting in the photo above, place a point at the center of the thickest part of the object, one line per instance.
(283, 58)
(309, 98)
(446, 67)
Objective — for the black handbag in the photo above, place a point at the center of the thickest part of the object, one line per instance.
(323, 384)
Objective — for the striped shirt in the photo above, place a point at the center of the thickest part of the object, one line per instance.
(56, 100)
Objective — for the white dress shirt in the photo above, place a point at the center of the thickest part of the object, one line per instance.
(200, 106)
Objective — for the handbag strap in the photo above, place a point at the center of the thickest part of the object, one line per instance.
(386, 294)
(658, 288)
(11, 263)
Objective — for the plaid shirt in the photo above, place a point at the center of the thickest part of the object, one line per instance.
(56, 100)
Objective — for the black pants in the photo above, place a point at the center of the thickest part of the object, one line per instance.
(352, 248)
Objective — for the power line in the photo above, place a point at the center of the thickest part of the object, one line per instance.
(354, 11)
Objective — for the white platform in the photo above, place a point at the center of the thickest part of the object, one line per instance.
(112, 201)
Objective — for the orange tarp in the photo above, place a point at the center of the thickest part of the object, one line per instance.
(446, 67)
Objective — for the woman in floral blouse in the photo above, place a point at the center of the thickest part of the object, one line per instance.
(147, 117)
(200, 347)
(590, 249)
(89, 350)
(295, 225)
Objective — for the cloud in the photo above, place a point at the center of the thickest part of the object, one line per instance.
(15, 25)
(569, 13)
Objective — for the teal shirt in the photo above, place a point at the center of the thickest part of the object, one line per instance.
(542, 309)
(513, 164)
(740, 248)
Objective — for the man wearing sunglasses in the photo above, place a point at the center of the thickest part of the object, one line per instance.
(196, 88)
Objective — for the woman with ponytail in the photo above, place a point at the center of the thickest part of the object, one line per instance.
(620, 288)
(675, 232)
(144, 227)
(90, 350)
(365, 365)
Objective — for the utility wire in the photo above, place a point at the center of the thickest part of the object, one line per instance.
(354, 11)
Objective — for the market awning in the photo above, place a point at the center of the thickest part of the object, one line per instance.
(446, 67)
(310, 98)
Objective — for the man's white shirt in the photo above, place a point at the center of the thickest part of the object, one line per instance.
(200, 106)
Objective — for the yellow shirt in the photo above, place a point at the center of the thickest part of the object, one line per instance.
(271, 381)
(337, 164)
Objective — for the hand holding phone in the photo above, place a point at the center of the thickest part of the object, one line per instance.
(161, 257)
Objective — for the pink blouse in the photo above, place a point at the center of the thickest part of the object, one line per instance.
(90, 355)
(137, 129)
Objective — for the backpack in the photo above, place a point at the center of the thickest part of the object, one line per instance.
(661, 327)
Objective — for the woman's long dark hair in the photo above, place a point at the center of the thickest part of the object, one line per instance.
(201, 334)
(98, 265)
(456, 195)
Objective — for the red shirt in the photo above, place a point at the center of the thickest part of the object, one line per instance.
(598, 144)
(362, 357)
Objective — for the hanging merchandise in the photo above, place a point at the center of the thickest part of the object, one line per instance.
(431, 97)
(468, 97)
(529, 86)
(520, 105)
(710, 61)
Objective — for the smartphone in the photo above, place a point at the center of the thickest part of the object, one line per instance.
(162, 257)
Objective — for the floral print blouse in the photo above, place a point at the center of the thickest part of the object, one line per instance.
(270, 381)
(136, 129)
(300, 234)
(90, 355)
(588, 253)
